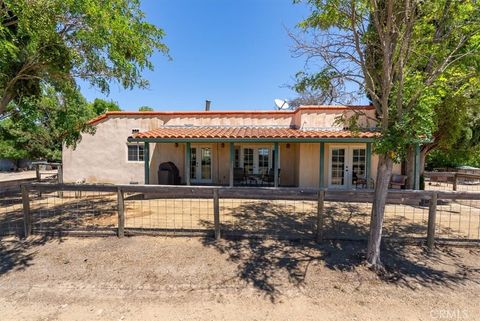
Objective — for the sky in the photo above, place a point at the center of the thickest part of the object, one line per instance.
(234, 53)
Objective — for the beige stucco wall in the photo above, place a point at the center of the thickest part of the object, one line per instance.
(327, 118)
(102, 158)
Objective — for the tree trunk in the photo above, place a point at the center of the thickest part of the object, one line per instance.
(423, 156)
(384, 172)
(6, 99)
(410, 167)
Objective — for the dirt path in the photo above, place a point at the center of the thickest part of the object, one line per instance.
(156, 278)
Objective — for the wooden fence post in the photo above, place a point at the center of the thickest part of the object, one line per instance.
(27, 218)
(320, 212)
(121, 213)
(216, 214)
(37, 172)
(455, 181)
(432, 213)
(60, 179)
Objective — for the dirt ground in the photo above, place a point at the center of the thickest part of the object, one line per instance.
(10, 176)
(158, 278)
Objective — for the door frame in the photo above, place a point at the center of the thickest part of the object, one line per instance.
(255, 148)
(348, 162)
(198, 164)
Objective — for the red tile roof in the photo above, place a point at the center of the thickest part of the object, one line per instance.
(221, 113)
(248, 132)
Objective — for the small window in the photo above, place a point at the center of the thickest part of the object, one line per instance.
(135, 153)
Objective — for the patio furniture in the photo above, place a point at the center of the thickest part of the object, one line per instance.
(239, 175)
(359, 180)
(269, 177)
(398, 181)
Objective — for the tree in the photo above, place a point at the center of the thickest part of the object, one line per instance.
(319, 89)
(145, 108)
(100, 106)
(58, 41)
(38, 128)
(374, 44)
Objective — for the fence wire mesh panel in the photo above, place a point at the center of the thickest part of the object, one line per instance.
(458, 219)
(448, 182)
(408, 220)
(74, 211)
(346, 220)
(276, 213)
(152, 214)
(11, 215)
(288, 219)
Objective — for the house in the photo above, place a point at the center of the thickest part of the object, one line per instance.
(306, 147)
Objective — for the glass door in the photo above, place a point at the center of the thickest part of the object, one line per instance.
(248, 160)
(359, 161)
(201, 164)
(193, 163)
(347, 167)
(338, 167)
(206, 164)
(263, 160)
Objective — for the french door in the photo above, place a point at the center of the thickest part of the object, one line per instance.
(347, 164)
(256, 160)
(201, 164)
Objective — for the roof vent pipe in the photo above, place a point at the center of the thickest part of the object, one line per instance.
(207, 105)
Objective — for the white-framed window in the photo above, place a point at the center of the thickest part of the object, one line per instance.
(135, 152)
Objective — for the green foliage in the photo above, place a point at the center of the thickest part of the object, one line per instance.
(435, 66)
(145, 108)
(58, 41)
(38, 128)
(100, 106)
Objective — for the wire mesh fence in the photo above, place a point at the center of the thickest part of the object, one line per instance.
(295, 219)
(243, 212)
(73, 211)
(11, 215)
(458, 219)
(146, 213)
(452, 181)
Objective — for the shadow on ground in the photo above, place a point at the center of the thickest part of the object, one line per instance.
(288, 247)
(18, 254)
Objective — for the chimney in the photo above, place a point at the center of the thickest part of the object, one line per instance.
(207, 105)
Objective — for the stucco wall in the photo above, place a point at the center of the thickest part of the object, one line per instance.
(103, 157)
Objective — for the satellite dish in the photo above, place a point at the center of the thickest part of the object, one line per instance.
(281, 104)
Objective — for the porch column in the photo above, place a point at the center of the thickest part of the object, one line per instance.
(275, 167)
(368, 163)
(417, 167)
(232, 160)
(321, 176)
(188, 157)
(146, 161)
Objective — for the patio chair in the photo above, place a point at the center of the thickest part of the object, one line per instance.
(239, 175)
(269, 177)
(398, 181)
(359, 180)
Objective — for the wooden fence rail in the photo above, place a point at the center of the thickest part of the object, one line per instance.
(411, 197)
(453, 177)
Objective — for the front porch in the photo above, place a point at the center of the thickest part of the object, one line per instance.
(324, 159)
